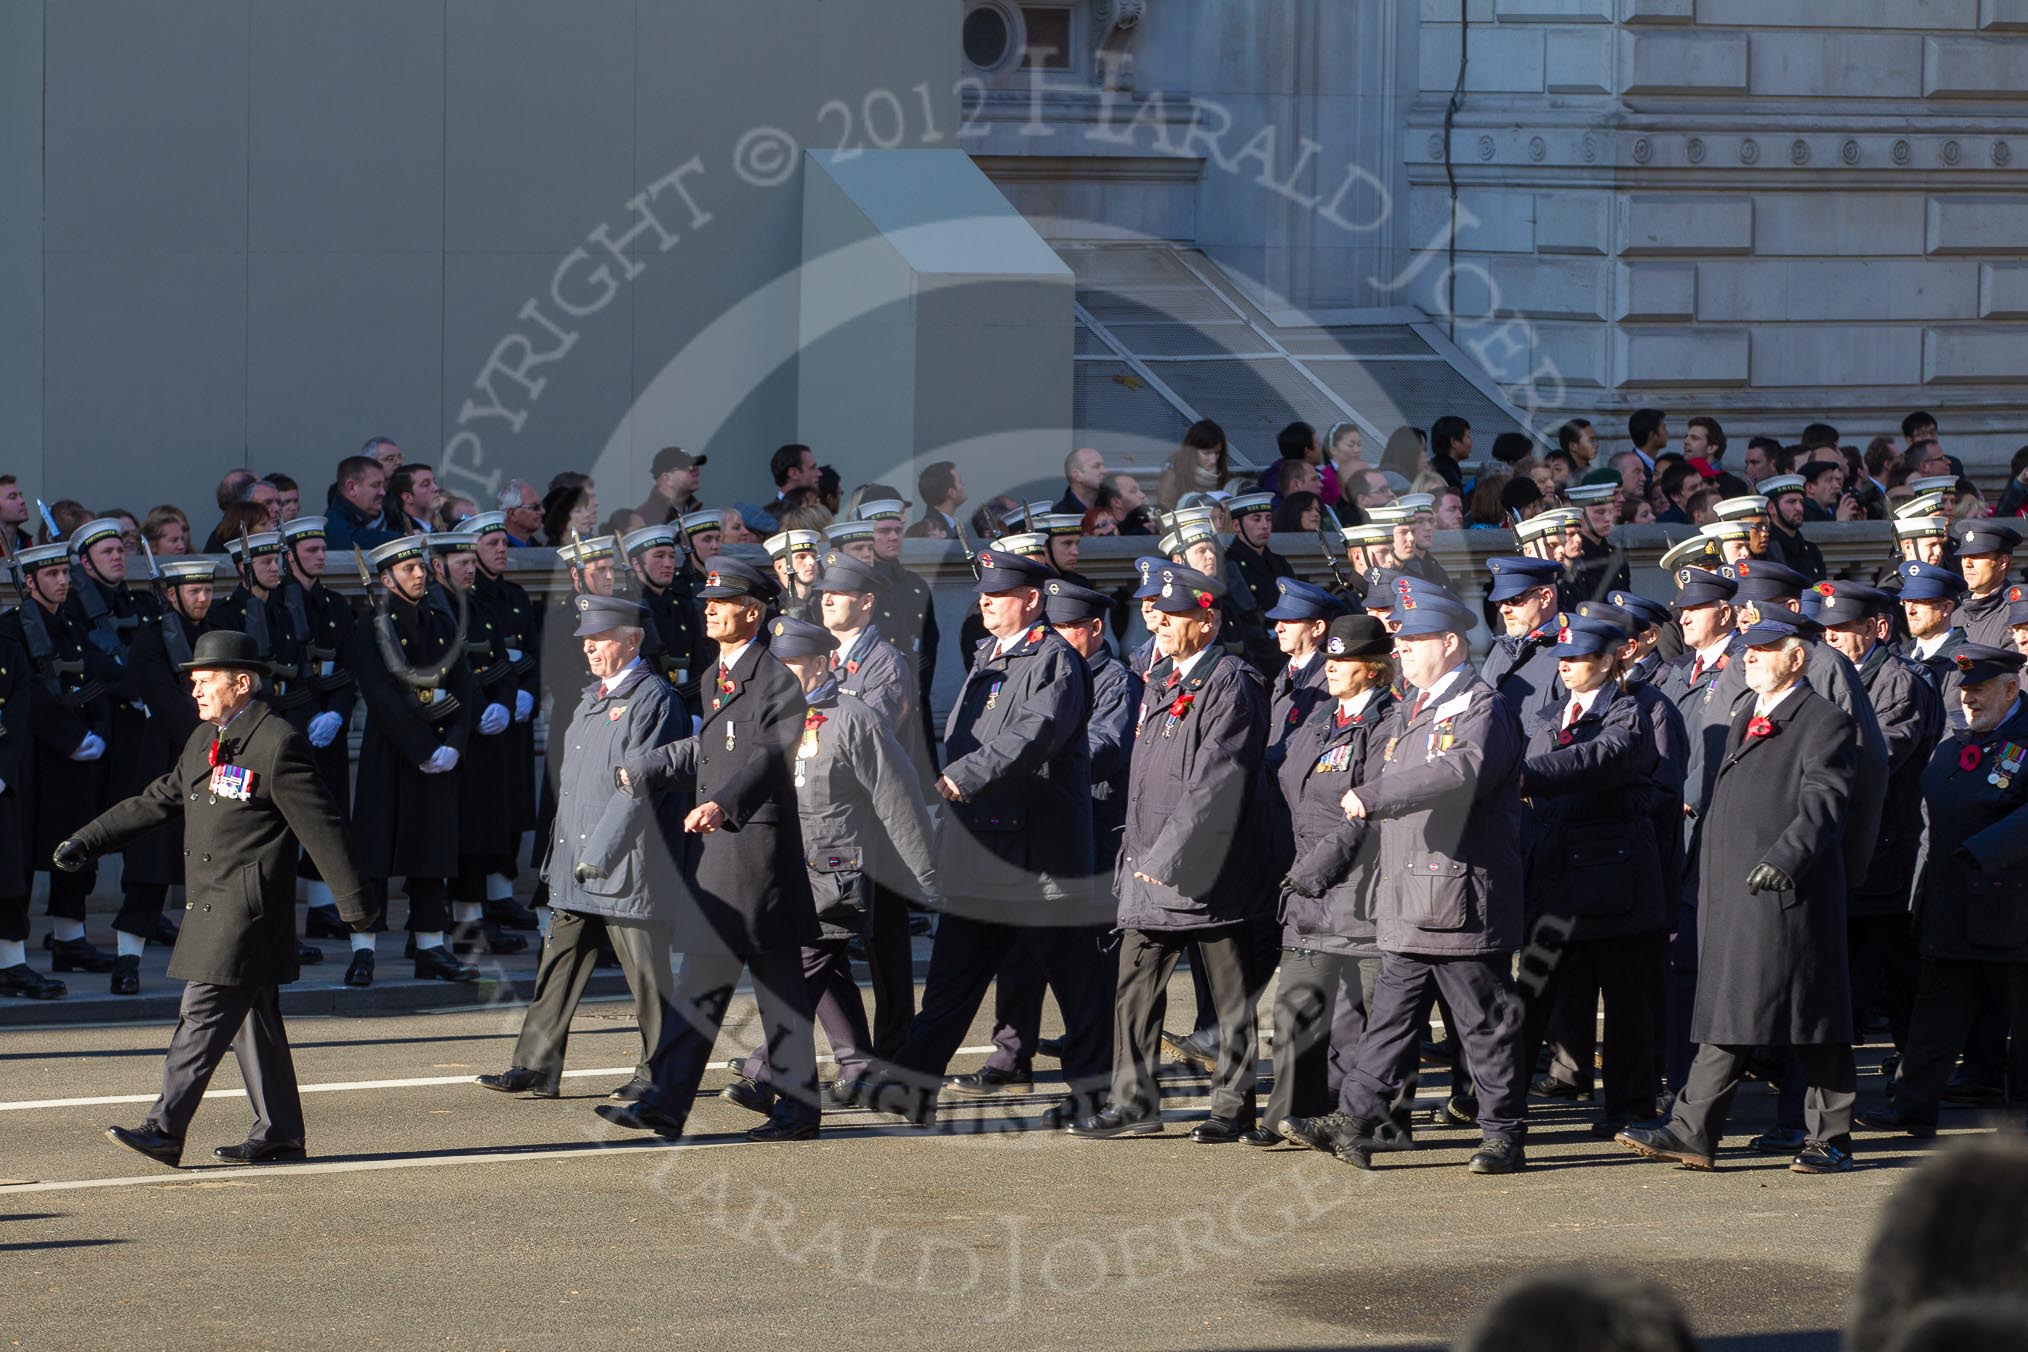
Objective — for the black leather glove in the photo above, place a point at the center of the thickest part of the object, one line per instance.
(585, 873)
(71, 855)
(1768, 878)
(1301, 887)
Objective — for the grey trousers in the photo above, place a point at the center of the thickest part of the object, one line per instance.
(569, 955)
(247, 1019)
(1715, 1075)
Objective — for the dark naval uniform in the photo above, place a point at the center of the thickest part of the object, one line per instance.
(17, 759)
(1883, 956)
(1971, 906)
(1258, 569)
(510, 618)
(70, 712)
(908, 616)
(490, 774)
(152, 862)
(327, 620)
(249, 799)
(405, 816)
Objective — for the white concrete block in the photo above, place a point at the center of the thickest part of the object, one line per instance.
(1504, 61)
(1668, 223)
(1681, 356)
(1975, 352)
(1822, 355)
(1835, 289)
(1820, 224)
(1573, 223)
(1974, 68)
(2002, 15)
(1567, 355)
(1847, 65)
(1926, 15)
(1965, 224)
(1553, 11)
(1578, 61)
(1656, 292)
(2003, 291)
(1446, 11)
(1553, 288)
(1682, 63)
(1490, 220)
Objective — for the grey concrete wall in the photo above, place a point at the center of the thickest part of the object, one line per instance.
(266, 229)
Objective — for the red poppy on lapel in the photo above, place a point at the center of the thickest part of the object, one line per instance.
(1759, 727)
(1968, 759)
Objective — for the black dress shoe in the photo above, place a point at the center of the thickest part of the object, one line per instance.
(1498, 1155)
(260, 1152)
(360, 971)
(29, 984)
(308, 955)
(508, 913)
(1217, 1131)
(633, 1091)
(436, 962)
(1112, 1122)
(164, 933)
(149, 1139)
(322, 922)
(1549, 1087)
(1260, 1138)
(518, 1080)
(751, 1095)
(640, 1117)
(1888, 1117)
(1190, 1052)
(782, 1130)
(844, 1093)
(990, 1080)
(1822, 1157)
(77, 955)
(126, 975)
(1662, 1143)
(1778, 1141)
(1061, 1115)
(1890, 1063)
(1051, 1047)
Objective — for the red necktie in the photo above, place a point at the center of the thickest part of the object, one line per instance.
(1416, 712)
(1697, 668)
(1576, 712)
(1174, 677)
(834, 661)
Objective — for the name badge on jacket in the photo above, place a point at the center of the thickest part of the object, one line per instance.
(232, 781)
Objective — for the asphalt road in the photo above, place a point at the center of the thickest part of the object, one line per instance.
(433, 1213)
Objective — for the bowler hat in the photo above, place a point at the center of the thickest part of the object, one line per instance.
(225, 650)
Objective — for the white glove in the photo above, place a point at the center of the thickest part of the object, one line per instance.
(324, 728)
(524, 706)
(493, 720)
(513, 654)
(90, 749)
(442, 760)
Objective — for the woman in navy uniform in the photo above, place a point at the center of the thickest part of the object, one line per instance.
(1329, 958)
(1191, 864)
(1971, 893)
(1594, 888)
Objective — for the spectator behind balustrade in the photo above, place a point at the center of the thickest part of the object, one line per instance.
(571, 504)
(167, 530)
(69, 514)
(1406, 454)
(288, 496)
(352, 512)
(1201, 464)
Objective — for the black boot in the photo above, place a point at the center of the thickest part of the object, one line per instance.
(77, 955)
(29, 984)
(126, 976)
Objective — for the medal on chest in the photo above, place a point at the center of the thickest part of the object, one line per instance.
(806, 749)
(2011, 755)
(1177, 710)
(232, 781)
(1335, 761)
(993, 691)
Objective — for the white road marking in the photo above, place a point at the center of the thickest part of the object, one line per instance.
(219, 1175)
(342, 1087)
